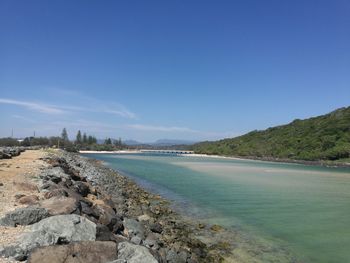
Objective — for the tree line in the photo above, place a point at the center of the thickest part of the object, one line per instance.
(83, 141)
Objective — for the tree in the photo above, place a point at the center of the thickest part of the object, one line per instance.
(85, 140)
(108, 141)
(91, 140)
(78, 139)
(118, 143)
(64, 135)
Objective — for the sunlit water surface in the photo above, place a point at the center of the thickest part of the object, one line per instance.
(302, 209)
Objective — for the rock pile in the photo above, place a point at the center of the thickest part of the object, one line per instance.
(9, 152)
(92, 214)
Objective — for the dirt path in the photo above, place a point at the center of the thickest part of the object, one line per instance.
(17, 177)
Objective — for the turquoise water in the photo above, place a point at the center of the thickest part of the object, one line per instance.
(302, 209)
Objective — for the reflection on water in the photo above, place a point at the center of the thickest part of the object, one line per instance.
(274, 208)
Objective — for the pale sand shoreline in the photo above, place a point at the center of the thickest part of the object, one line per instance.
(112, 152)
(292, 162)
(181, 154)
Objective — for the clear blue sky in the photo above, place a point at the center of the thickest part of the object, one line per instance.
(192, 70)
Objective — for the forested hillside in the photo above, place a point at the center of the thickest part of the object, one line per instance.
(325, 137)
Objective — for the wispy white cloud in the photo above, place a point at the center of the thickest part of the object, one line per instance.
(40, 107)
(118, 110)
(99, 106)
(122, 112)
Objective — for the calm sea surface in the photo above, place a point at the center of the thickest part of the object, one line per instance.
(282, 212)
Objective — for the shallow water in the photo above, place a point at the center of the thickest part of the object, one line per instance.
(302, 209)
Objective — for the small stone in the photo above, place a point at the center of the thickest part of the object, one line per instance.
(144, 218)
(157, 228)
(18, 196)
(29, 200)
(133, 228)
(216, 228)
(82, 188)
(136, 240)
(55, 192)
(201, 225)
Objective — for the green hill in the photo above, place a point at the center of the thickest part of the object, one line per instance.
(325, 137)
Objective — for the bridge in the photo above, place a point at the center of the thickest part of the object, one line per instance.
(166, 151)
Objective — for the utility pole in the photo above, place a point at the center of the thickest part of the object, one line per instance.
(34, 134)
(12, 133)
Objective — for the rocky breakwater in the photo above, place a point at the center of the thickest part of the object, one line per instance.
(9, 152)
(85, 212)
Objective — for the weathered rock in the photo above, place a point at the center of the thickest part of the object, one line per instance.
(103, 233)
(61, 205)
(134, 253)
(28, 200)
(136, 240)
(56, 192)
(216, 228)
(74, 174)
(173, 257)
(156, 227)
(82, 188)
(4, 155)
(134, 228)
(87, 209)
(24, 216)
(18, 196)
(55, 174)
(183, 255)
(48, 186)
(13, 252)
(61, 229)
(152, 241)
(144, 218)
(87, 252)
(107, 215)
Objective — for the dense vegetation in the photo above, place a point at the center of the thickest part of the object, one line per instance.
(82, 142)
(325, 137)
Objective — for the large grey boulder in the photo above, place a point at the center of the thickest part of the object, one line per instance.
(54, 174)
(24, 216)
(134, 253)
(61, 229)
(85, 251)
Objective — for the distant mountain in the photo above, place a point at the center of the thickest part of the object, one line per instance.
(325, 137)
(132, 142)
(170, 142)
(159, 143)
